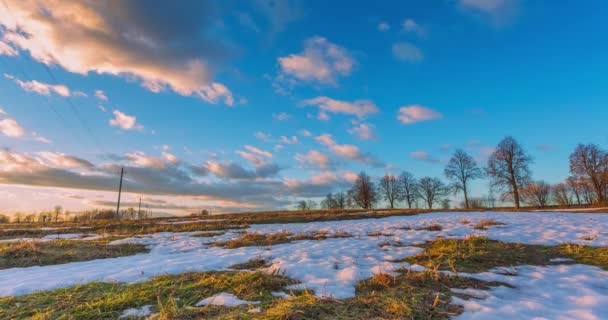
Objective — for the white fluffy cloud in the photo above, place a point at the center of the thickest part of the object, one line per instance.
(359, 108)
(405, 51)
(383, 26)
(362, 130)
(409, 25)
(347, 151)
(423, 156)
(42, 88)
(315, 158)
(321, 62)
(125, 121)
(416, 113)
(122, 39)
(11, 128)
(101, 95)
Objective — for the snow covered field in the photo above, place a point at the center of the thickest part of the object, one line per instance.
(332, 267)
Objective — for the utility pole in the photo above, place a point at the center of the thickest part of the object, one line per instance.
(122, 171)
(139, 209)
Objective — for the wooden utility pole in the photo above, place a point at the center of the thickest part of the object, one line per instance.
(122, 171)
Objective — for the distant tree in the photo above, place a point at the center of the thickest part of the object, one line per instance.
(302, 205)
(575, 186)
(445, 203)
(204, 212)
(311, 204)
(538, 193)
(508, 168)
(57, 211)
(561, 194)
(390, 188)
(18, 217)
(363, 192)
(407, 184)
(461, 169)
(591, 163)
(4, 218)
(341, 200)
(329, 202)
(431, 190)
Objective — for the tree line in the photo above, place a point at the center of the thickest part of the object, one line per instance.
(509, 173)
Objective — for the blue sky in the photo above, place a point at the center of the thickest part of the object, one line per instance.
(239, 105)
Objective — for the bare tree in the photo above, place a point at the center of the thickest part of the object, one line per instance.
(57, 211)
(311, 204)
(329, 202)
(407, 184)
(363, 192)
(340, 199)
(390, 189)
(576, 188)
(461, 169)
(302, 205)
(591, 162)
(431, 190)
(561, 194)
(538, 193)
(508, 168)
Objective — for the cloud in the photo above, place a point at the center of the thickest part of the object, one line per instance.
(141, 159)
(101, 95)
(281, 116)
(262, 136)
(362, 130)
(171, 180)
(258, 151)
(416, 113)
(423, 156)
(124, 121)
(409, 25)
(383, 26)
(7, 50)
(305, 133)
(347, 151)
(500, 12)
(41, 88)
(165, 46)
(286, 140)
(11, 128)
(231, 170)
(359, 108)
(405, 51)
(315, 158)
(61, 160)
(321, 62)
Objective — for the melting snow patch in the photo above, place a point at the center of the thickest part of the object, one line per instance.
(134, 312)
(224, 299)
(540, 292)
(330, 267)
(560, 260)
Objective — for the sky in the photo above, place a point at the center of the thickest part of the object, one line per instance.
(254, 105)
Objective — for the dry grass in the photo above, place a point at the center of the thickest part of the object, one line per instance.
(31, 253)
(433, 227)
(249, 239)
(484, 224)
(253, 264)
(477, 254)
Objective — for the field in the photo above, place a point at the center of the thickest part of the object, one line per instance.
(394, 264)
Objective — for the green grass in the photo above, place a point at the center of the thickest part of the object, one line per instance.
(477, 254)
(31, 253)
(409, 295)
(173, 295)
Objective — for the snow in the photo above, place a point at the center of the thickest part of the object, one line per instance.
(134, 312)
(541, 292)
(64, 236)
(332, 267)
(224, 299)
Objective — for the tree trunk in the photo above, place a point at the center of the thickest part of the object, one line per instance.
(516, 196)
(466, 198)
